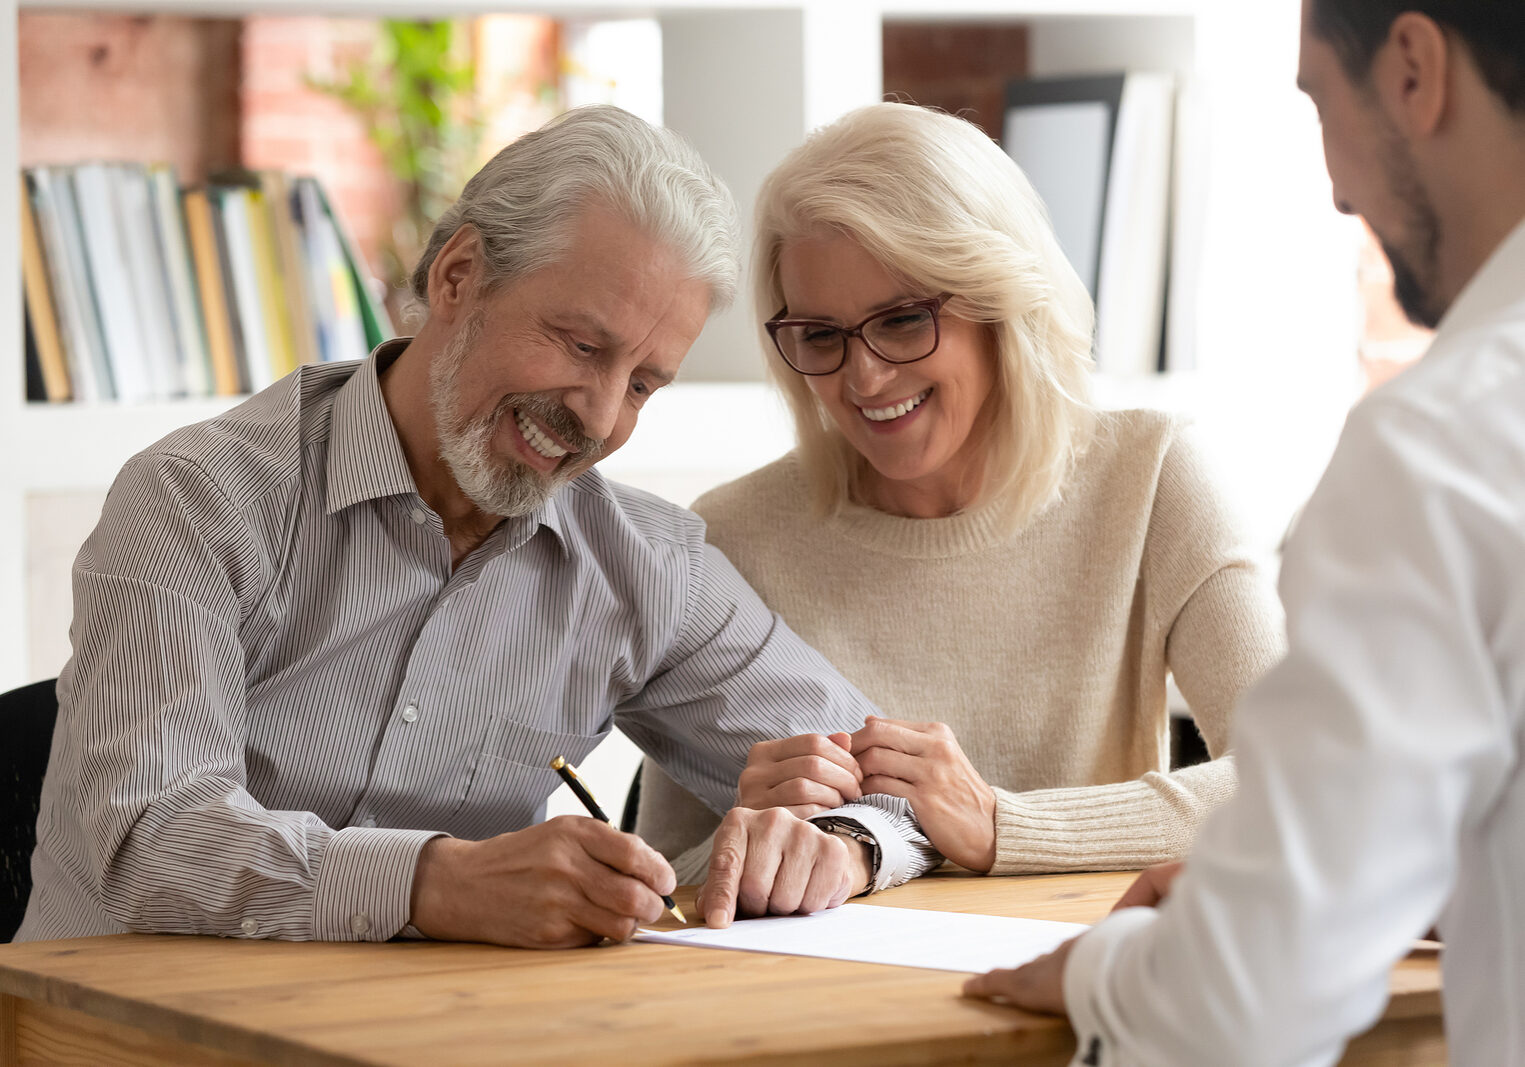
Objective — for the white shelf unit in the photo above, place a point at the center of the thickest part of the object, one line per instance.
(745, 80)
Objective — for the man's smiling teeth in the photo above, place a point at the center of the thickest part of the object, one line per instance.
(538, 441)
(895, 410)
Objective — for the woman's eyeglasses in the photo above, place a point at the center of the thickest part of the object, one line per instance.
(901, 334)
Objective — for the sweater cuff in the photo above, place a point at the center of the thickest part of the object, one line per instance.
(1107, 828)
(365, 883)
(1085, 979)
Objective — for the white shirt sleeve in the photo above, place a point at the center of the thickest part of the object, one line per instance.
(1363, 758)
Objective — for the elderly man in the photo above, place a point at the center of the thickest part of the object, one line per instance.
(1381, 783)
(327, 644)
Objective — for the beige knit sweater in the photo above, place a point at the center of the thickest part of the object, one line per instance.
(1046, 649)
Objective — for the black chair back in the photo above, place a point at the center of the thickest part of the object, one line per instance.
(26, 722)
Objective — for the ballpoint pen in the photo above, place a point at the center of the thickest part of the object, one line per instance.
(569, 775)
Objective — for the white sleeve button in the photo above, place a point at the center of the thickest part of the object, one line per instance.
(410, 714)
(360, 924)
(249, 926)
(419, 516)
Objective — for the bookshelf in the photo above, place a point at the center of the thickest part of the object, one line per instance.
(745, 79)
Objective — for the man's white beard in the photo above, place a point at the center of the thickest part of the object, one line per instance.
(499, 485)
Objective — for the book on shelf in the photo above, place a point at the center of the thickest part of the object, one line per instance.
(52, 200)
(36, 388)
(341, 328)
(138, 290)
(45, 343)
(184, 301)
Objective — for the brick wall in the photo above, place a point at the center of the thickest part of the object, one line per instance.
(960, 67)
(152, 88)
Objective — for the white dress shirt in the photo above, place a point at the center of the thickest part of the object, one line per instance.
(1380, 787)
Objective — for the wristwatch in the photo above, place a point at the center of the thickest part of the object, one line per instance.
(842, 826)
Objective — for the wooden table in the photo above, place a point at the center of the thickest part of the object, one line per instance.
(138, 999)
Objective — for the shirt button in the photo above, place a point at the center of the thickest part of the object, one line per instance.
(369, 822)
(410, 714)
(249, 927)
(419, 516)
(360, 924)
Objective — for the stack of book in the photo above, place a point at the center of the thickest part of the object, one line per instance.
(137, 290)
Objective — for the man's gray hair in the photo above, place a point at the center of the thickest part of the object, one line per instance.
(524, 202)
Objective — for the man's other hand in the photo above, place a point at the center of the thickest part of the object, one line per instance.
(1039, 985)
(1035, 986)
(567, 882)
(1150, 887)
(774, 863)
(805, 775)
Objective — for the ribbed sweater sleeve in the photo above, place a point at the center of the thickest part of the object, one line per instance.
(1117, 827)
(1223, 630)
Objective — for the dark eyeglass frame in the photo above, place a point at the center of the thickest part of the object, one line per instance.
(933, 304)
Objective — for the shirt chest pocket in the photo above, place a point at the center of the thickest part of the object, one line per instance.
(531, 747)
(513, 777)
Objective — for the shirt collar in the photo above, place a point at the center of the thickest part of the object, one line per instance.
(365, 457)
(1493, 289)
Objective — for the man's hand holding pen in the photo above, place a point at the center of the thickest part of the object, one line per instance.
(572, 881)
(566, 882)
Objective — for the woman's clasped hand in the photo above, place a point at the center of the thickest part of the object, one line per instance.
(921, 762)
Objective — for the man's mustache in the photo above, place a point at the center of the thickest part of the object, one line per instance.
(557, 418)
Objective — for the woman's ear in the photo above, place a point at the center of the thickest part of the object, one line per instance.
(455, 275)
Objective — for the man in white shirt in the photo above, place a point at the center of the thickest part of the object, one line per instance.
(1381, 788)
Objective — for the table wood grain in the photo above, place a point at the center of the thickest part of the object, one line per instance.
(142, 999)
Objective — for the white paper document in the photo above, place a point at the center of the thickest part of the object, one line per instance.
(906, 937)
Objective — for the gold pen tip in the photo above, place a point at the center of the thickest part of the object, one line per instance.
(558, 763)
(679, 913)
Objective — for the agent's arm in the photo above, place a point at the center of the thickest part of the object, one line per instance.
(1369, 758)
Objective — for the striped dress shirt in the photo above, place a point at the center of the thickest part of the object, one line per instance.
(280, 689)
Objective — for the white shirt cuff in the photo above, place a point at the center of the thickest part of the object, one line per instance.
(1085, 977)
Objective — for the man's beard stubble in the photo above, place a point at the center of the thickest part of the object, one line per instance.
(1416, 268)
(499, 485)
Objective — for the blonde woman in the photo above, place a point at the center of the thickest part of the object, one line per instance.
(1007, 572)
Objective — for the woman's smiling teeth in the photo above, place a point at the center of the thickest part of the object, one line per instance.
(537, 440)
(894, 411)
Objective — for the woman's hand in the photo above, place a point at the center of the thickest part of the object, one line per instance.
(806, 775)
(923, 763)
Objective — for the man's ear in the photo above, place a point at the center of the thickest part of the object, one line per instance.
(1412, 73)
(455, 274)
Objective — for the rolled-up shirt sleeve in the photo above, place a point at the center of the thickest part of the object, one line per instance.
(154, 707)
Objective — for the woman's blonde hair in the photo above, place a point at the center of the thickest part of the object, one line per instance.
(936, 202)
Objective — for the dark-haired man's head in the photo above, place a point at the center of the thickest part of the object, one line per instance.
(1423, 109)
